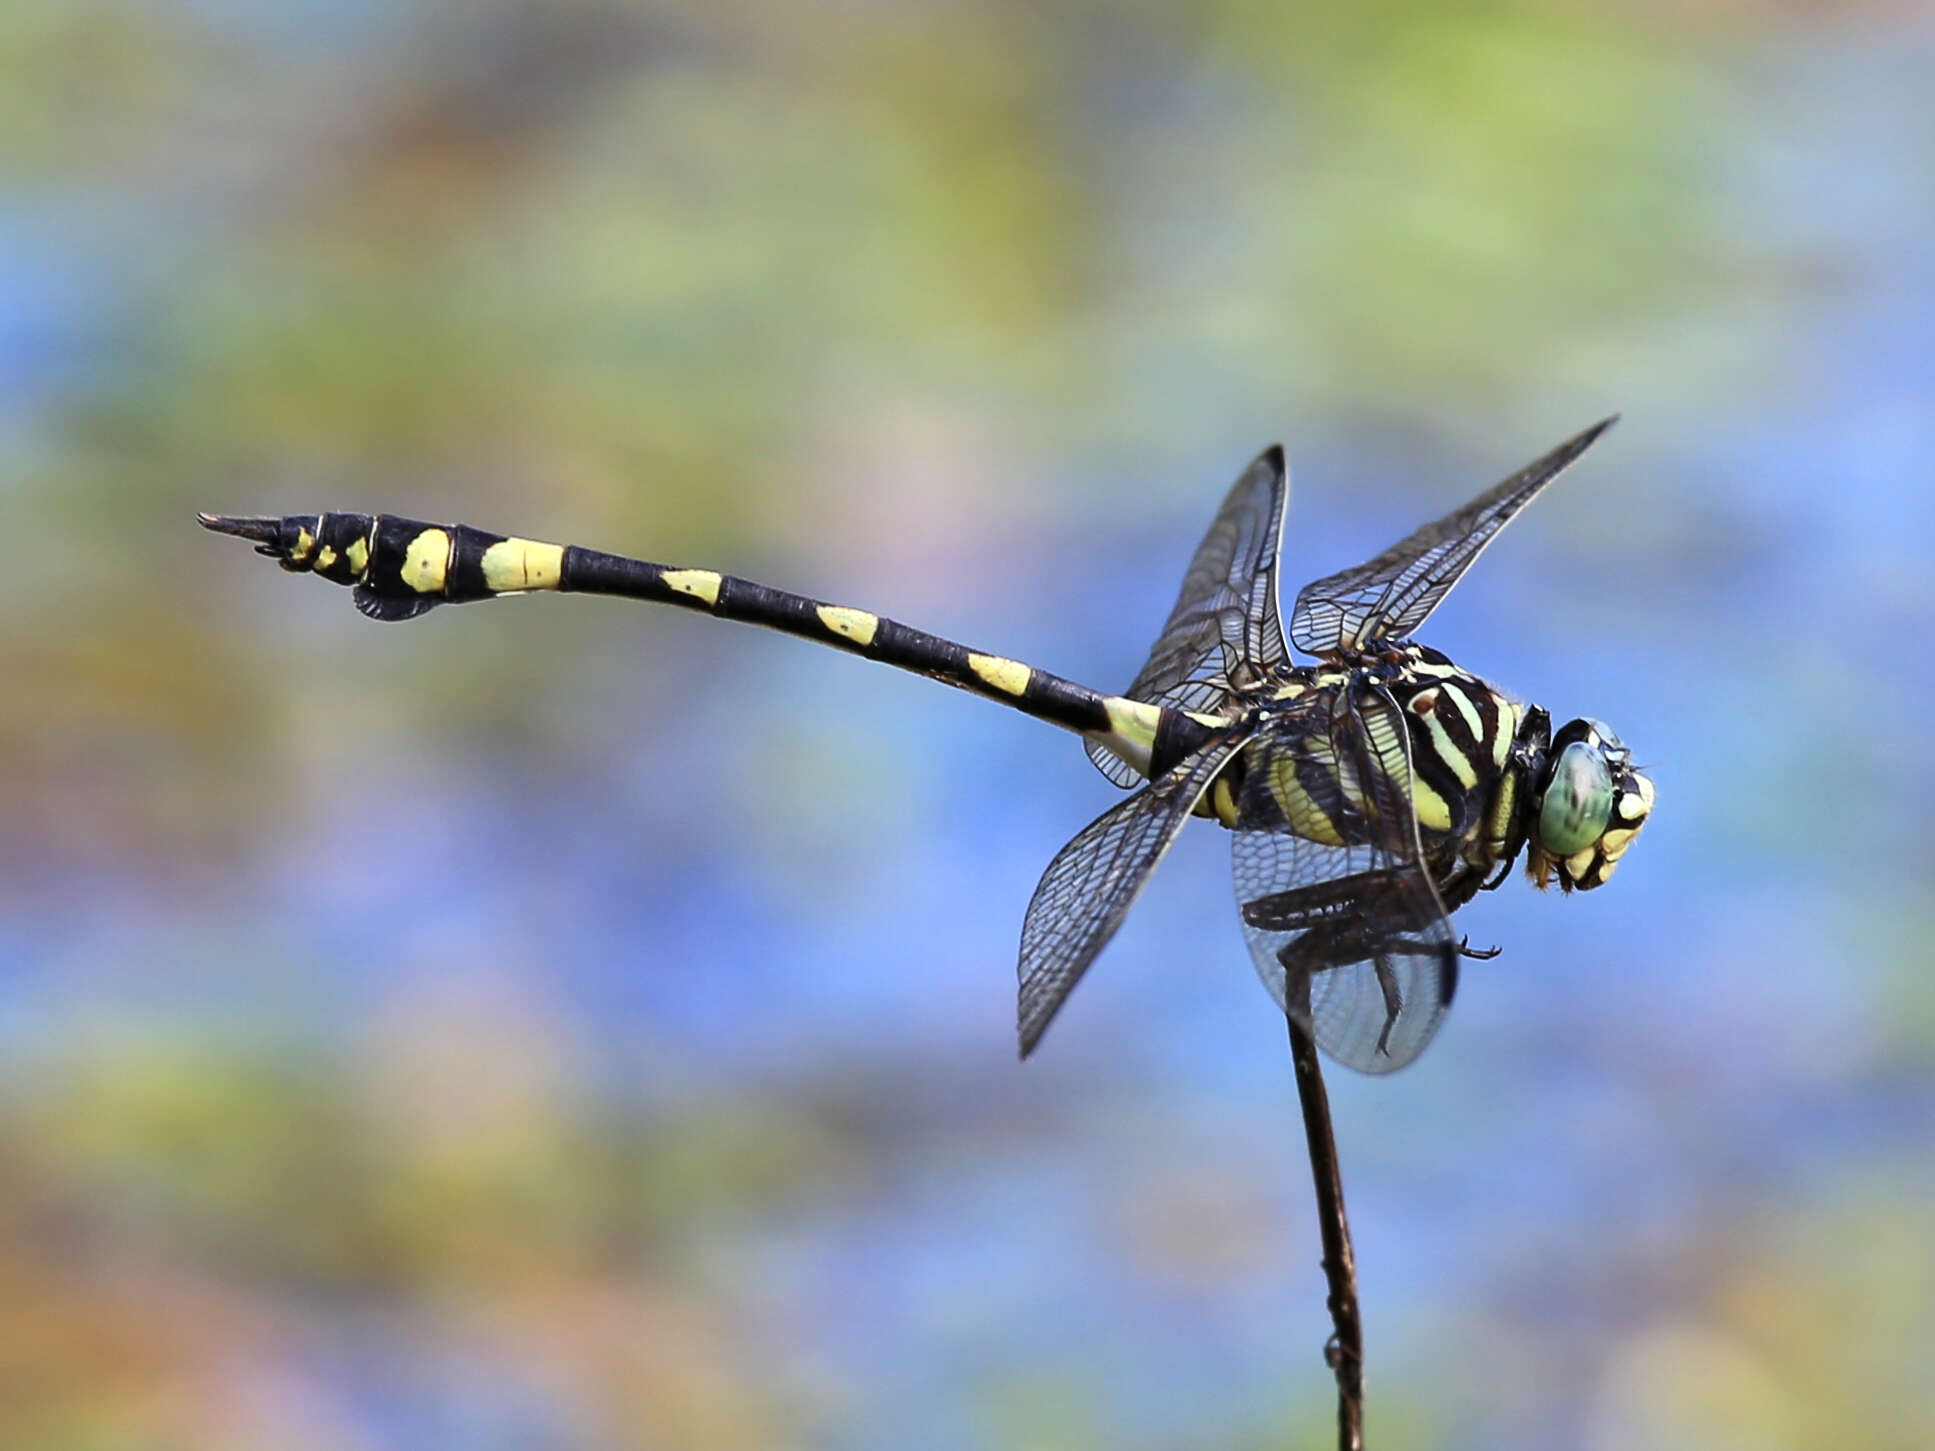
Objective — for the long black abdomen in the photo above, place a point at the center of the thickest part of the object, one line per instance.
(399, 568)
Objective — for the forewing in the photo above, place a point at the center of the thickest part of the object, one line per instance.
(1349, 936)
(1094, 880)
(1389, 597)
(1225, 618)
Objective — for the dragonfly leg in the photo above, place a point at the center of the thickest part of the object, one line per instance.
(1335, 902)
(1387, 984)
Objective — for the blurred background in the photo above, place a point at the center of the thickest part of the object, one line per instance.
(570, 1024)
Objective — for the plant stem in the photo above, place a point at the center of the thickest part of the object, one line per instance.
(1344, 1352)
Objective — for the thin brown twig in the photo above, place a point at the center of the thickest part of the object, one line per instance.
(1344, 1352)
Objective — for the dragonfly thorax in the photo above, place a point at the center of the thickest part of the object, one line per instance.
(1455, 756)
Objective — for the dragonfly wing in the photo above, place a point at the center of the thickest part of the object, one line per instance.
(1225, 618)
(1094, 880)
(1389, 597)
(1344, 924)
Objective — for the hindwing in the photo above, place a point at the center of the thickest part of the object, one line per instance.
(1224, 629)
(1344, 924)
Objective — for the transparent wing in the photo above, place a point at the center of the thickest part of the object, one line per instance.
(1225, 618)
(1348, 934)
(1094, 880)
(1389, 597)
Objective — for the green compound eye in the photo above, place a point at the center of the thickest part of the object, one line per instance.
(1578, 802)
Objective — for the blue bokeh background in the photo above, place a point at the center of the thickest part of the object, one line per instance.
(565, 1024)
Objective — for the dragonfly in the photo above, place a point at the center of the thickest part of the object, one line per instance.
(1368, 794)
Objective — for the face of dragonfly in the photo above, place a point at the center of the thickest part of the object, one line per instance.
(1587, 806)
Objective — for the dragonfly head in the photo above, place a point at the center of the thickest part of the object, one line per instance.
(1587, 805)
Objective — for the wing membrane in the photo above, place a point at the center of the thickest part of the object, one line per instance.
(1389, 597)
(1225, 617)
(1094, 880)
(1349, 937)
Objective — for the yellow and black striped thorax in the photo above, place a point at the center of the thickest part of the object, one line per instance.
(1316, 741)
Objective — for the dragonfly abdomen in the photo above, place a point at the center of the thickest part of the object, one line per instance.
(399, 568)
